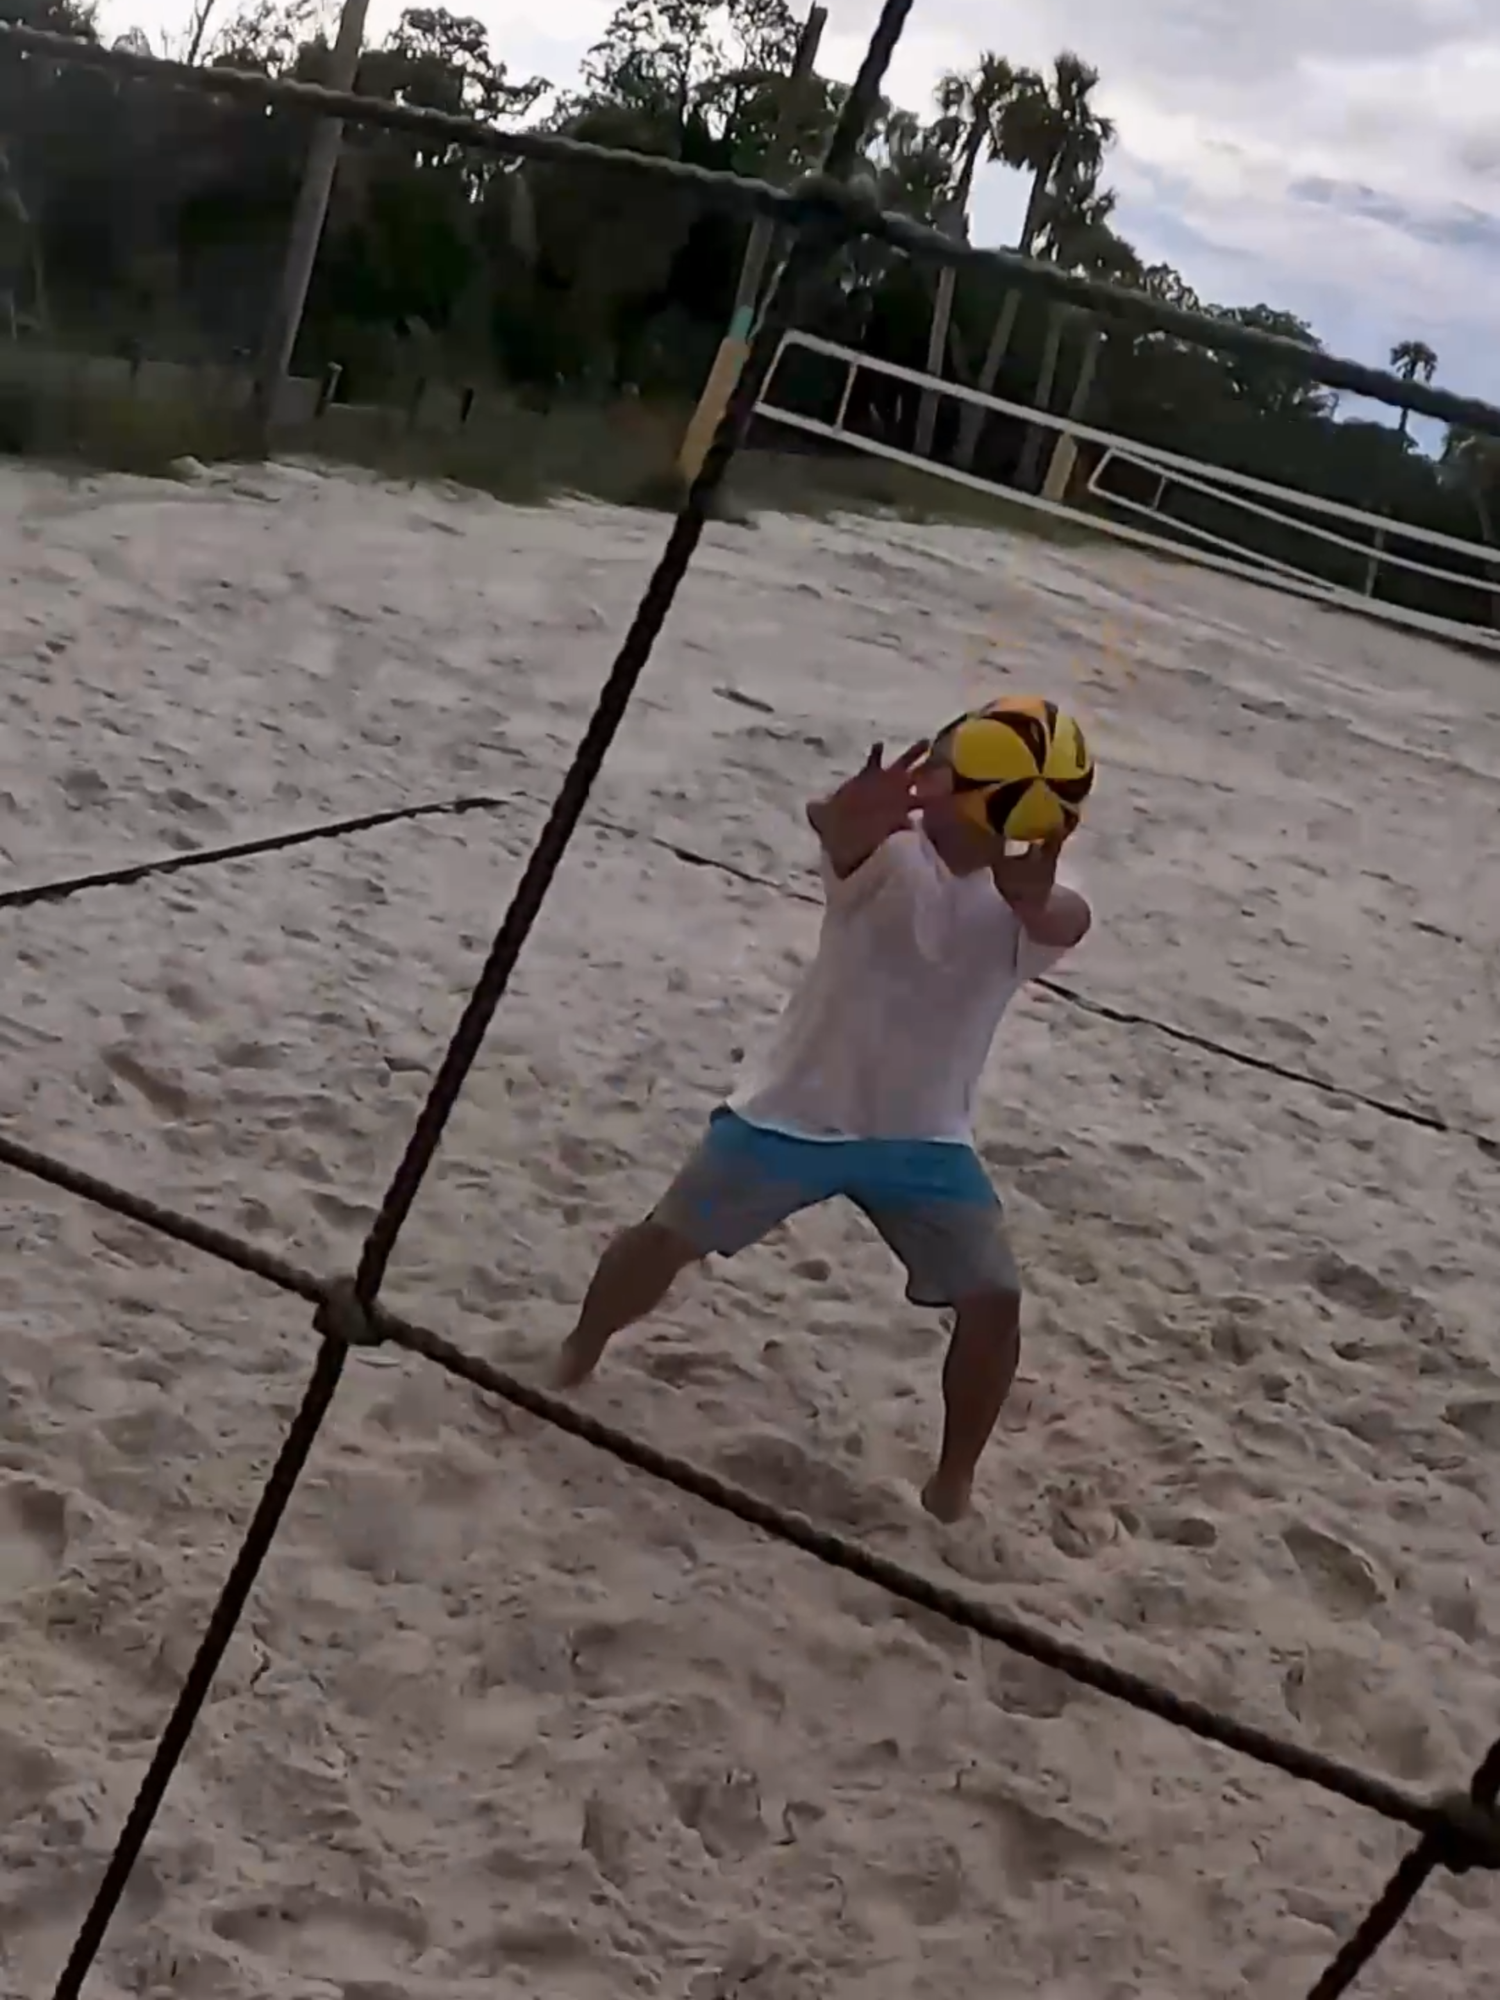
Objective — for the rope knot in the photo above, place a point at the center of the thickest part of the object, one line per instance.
(344, 1317)
(844, 208)
(1470, 1835)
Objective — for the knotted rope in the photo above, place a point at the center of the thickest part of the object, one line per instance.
(1457, 1832)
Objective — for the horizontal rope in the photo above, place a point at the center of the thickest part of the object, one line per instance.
(184, 1229)
(1105, 1010)
(1466, 1836)
(794, 207)
(60, 888)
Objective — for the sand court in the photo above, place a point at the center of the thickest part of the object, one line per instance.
(505, 1718)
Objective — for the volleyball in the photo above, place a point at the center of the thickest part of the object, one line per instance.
(1021, 767)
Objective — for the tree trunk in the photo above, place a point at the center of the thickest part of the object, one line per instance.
(955, 224)
(975, 415)
(1031, 451)
(937, 348)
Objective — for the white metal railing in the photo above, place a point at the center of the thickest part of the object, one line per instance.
(1217, 552)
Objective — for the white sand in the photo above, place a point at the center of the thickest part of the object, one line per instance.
(506, 1719)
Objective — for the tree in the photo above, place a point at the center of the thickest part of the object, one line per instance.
(1471, 463)
(1078, 237)
(1270, 386)
(1053, 129)
(971, 123)
(1409, 359)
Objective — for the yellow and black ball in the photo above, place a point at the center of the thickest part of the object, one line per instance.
(1021, 767)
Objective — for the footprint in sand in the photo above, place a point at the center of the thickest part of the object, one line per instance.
(1038, 1840)
(778, 1468)
(1239, 1333)
(1346, 1704)
(1078, 1521)
(28, 1774)
(166, 1094)
(322, 1937)
(1477, 1418)
(724, 1810)
(1026, 1687)
(33, 1536)
(84, 787)
(1360, 1290)
(1341, 1578)
(690, 1368)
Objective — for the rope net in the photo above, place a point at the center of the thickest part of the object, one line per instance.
(1458, 1831)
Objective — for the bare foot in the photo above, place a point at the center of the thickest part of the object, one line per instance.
(575, 1363)
(946, 1499)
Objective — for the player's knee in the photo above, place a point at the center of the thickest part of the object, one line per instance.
(657, 1245)
(993, 1314)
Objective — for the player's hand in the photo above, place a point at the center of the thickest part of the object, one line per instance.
(884, 796)
(878, 801)
(1028, 878)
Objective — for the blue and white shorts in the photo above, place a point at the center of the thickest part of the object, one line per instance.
(931, 1202)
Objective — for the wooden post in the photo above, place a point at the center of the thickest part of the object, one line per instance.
(307, 226)
(1065, 451)
(1029, 463)
(953, 224)
(735, 344)
(1372, 564)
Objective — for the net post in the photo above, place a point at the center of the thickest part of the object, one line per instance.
(734, 347)
(311, 212)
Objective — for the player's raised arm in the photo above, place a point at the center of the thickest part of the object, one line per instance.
(1050, 913)
(862, 813)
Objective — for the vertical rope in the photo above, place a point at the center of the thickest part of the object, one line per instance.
(206, 1661)
(1398, 1895)
(784, 296)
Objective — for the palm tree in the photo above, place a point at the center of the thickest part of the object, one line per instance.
(1052, 129)
(971, 118)
(1411, 358)
(1078, 237)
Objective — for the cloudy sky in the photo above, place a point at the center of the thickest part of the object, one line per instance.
(1340, 158)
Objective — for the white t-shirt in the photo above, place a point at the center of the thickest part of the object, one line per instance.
(890, 1028)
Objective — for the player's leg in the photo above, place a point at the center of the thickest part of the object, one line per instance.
(638, 1269)
(738, 1184)
(979, 1368)
(936, 1210)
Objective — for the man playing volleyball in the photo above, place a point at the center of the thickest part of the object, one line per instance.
(866, 1089)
